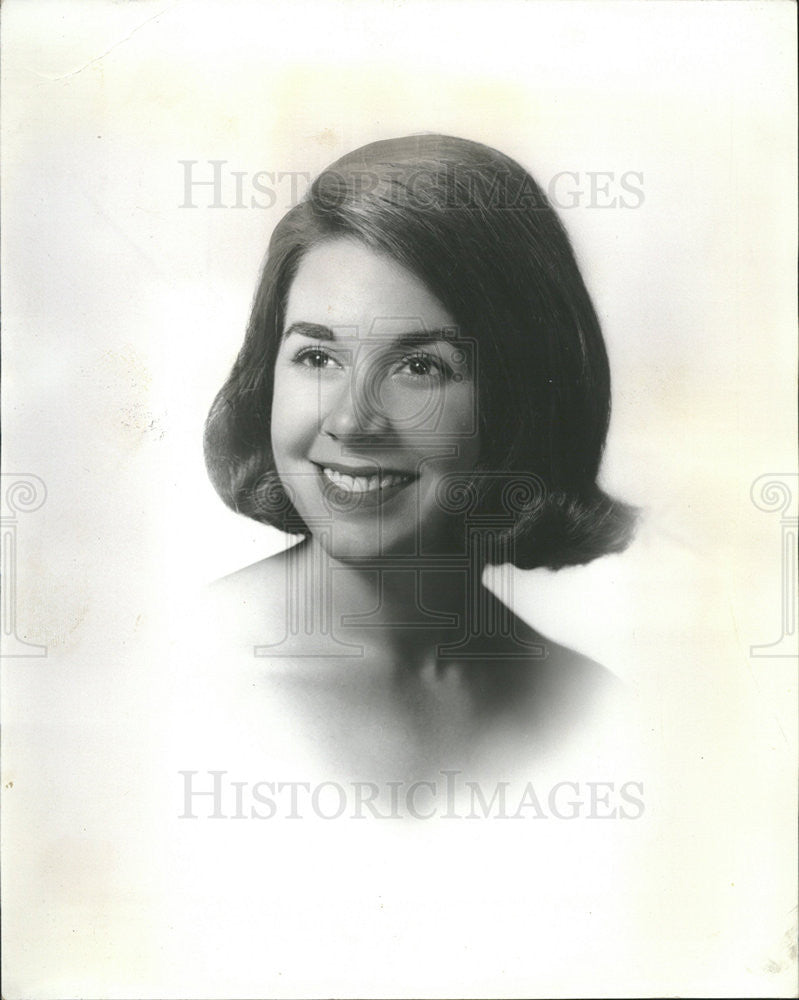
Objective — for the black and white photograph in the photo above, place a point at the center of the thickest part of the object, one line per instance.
(399, 499)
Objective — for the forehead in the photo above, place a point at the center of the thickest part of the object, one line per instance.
(343, 283)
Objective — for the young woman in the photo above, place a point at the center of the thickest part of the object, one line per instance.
(423, 391)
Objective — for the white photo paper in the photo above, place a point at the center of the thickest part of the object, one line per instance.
(399, 499)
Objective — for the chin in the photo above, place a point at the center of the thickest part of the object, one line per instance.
(358, 543)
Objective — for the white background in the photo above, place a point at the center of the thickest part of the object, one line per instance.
(122, 313)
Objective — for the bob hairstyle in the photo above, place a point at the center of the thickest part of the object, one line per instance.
(480, 233)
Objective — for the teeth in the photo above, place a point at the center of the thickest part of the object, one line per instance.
(363, 484)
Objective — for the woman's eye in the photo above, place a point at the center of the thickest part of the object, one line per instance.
(315, 357)
(422, 365)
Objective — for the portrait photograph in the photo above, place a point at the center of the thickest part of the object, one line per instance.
(399, 499)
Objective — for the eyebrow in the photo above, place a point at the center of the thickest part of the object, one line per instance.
(318, 331)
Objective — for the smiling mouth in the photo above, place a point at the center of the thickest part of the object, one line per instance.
(360, 483)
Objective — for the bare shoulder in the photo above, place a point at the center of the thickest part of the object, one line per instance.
(548, 657)
(547, 686)
(265, 575)
(251, 604)
(575, 666)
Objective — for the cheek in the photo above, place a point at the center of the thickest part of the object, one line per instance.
(430, 413)
(278, 420)
(294, 417)
(458, 423)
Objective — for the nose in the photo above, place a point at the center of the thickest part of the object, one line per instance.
(354, 408)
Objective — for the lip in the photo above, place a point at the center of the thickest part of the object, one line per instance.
(354, 501)
(374, 468)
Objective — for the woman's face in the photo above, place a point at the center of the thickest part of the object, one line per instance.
(374, 402)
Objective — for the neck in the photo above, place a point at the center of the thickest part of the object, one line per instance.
(402, 604)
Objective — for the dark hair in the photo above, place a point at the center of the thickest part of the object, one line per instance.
(477, 229)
